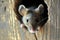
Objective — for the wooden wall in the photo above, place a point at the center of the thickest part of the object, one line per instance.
(10, 26)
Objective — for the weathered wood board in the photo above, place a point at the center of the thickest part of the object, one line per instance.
(10, 26)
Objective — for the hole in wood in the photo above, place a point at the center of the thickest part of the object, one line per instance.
(32, 4)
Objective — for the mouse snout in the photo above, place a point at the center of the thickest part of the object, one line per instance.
(32, 31)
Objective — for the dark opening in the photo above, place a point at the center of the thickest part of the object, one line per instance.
(29, 3)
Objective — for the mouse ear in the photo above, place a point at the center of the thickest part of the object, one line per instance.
(22, 10)
(40, 9)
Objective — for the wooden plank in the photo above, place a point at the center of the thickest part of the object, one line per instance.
(58, 18)
(47, 36)
(15, 34)
(4, 20)
(10, 26)
(53, 18)
(9, 30)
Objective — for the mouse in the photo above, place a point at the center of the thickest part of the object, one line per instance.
(31, 14)
(32, 17)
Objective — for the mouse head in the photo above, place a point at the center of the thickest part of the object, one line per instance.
(31, 17)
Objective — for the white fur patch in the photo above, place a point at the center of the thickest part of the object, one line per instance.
(22, 25)
(31, 31)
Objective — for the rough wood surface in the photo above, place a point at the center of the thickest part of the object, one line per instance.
(10, 26)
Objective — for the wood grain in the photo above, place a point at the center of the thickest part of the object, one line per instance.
(10, 26)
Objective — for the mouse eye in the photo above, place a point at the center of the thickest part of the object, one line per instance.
(27, 20)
